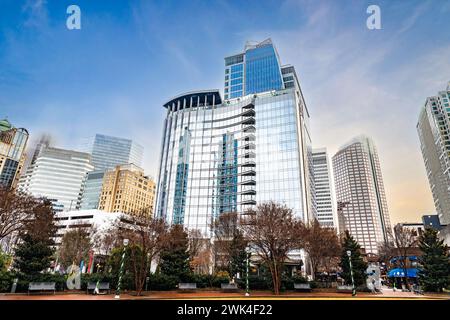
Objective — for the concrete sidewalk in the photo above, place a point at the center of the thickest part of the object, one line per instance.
(386, 294)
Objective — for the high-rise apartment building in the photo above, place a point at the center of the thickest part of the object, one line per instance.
(108, 152)
(433, 128)
(323, 185)
(126, 189)
(360, 193)
(58, 175)
(226, 156)
(12, 156)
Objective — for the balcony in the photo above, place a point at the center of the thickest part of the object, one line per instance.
(249, 121)
(248, 113)
(251, 105)
(249, 164)
(248, 202)
(248, 173)
(248, 182)
(249, 192)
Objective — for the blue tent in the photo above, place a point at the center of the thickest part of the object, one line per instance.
(400, 273)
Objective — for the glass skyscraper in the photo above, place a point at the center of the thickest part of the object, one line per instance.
(360, 193)
(255, 70)
(226, 156)
(433, 128)
(108, 152)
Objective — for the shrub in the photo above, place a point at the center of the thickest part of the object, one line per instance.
(256, 283)
(6, 279)
(94, 277)
(24, 280)
(162, 282)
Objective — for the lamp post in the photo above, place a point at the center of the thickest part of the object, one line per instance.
(349, 254)
(125, 243)
(247, 287)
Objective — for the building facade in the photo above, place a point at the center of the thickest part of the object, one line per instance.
(226, 156)
(324, 189)
(58, 175)
(13, 142)
(92, 190)
(359, 186)
(126, 189)
(108, 152)
(433, 128)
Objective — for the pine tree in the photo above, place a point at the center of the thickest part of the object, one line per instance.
(175, 254)
(35, 250)
(238, 255)
(435, 272)
(359, 267)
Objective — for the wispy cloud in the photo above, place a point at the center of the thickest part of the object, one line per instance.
(36, 13)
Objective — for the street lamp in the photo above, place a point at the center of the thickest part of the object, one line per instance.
(247, 287)
(349, 254)
(125, 243)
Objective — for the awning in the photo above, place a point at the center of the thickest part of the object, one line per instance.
(398, 272)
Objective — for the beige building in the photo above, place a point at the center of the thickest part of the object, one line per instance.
(12, 153)
(126, 189)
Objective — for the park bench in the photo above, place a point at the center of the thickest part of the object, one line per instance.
(229, 287)
(102, 286)
(42, 286)
(302, 287)
(344, 289)
(187, 286)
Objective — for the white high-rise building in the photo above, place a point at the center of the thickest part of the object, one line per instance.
(58, 175)
(360, 193)
(325, 199)
(433, 128)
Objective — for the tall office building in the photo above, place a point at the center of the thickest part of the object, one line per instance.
(126, 189)
(256, 70)
(12, 156)
(325, 199)
(58, 175)
(108, 152)
(226, 156)
(433, 128)
(360, 193)
(92, 189)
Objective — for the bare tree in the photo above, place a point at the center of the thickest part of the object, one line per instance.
(15, 208)
(271, 232)
(146, 239)
(405, 239)
(75, 246)
(321, 243)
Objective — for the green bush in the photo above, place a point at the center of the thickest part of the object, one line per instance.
(256, 283)
(94, 277)
(6, 280)
(24, 280)
(162, 282)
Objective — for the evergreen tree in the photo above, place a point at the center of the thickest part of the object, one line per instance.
(35, 250)
(359, 267)
(175, 254)
(435, 274)
(238, 255)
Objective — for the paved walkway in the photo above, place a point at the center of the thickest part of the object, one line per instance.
(387, 294)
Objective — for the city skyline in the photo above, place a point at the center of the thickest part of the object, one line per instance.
(392, 96)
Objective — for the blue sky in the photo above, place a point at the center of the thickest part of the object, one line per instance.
(114, 74)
